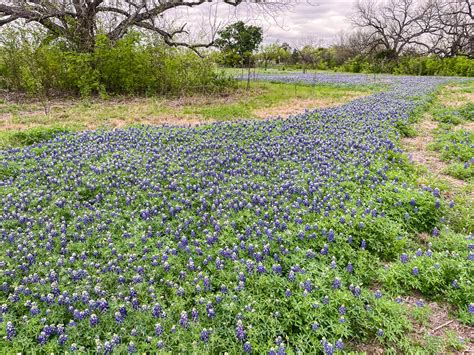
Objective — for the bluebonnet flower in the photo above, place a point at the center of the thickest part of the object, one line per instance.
(42, 338)
(240, 331)
(132, 348)
(404, 258)
(349, 267)
(204, 335)
(420, 303)
(247, 348)
(183, 320)
(10, 330)
(194, 315)
(331, 237)
(93, 320)
(158, 329)
(108, 347)
(415, 271)
(156, 310)
(119, 318)
(328, 348)
(62, 339)
(356, 291)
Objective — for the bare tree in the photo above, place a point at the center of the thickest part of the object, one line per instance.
(396, 25)
(456, 28)
(79, 21)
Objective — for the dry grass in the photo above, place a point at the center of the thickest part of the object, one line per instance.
(264, 100)
(417, 149)
(456, 96)
(296, 106)
(439, 323)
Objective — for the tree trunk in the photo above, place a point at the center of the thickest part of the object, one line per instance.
(248, 75)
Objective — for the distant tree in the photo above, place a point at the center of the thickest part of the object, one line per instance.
(456, 28)
(295, 56)
(285, 46)
(241, 39)
(396, 25)
(274, 53)
(309, 57)
(284, 55)
(269, 53)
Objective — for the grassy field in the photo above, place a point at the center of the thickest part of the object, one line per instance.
(26, 121)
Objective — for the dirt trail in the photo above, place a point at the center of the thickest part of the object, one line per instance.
(418, 152)
(439, 324)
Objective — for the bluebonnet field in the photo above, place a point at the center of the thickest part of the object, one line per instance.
(277, 236)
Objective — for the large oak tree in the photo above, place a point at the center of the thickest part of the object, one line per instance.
(79, 21)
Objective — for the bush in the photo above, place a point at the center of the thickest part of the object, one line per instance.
(410, 65)
(34, 65)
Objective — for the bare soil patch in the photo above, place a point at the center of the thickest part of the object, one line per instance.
(296, 106)
(368, 348)
(457, 91)
(440, 323)
(468, 126)
(417, 149)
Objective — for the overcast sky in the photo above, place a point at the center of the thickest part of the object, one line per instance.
(305, 21)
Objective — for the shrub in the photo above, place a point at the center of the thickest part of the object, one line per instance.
(130, 66)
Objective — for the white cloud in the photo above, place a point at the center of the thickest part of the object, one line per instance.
(318, 21)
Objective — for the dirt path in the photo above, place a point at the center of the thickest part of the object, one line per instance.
(418, 152)
(440, 323)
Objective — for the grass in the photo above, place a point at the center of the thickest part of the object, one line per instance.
(278, 96)
(453, 140)
(25, 123)
(280, 70)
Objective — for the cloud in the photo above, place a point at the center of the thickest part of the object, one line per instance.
(303, 21)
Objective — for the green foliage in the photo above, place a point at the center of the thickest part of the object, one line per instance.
(239, 40)
(442, 273)
(130, 66)
(454, 145)
(426, 65)
(467, 111)
(461, 171)
(410, 65)
(28, 137)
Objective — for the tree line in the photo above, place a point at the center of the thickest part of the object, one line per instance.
(426, 37)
